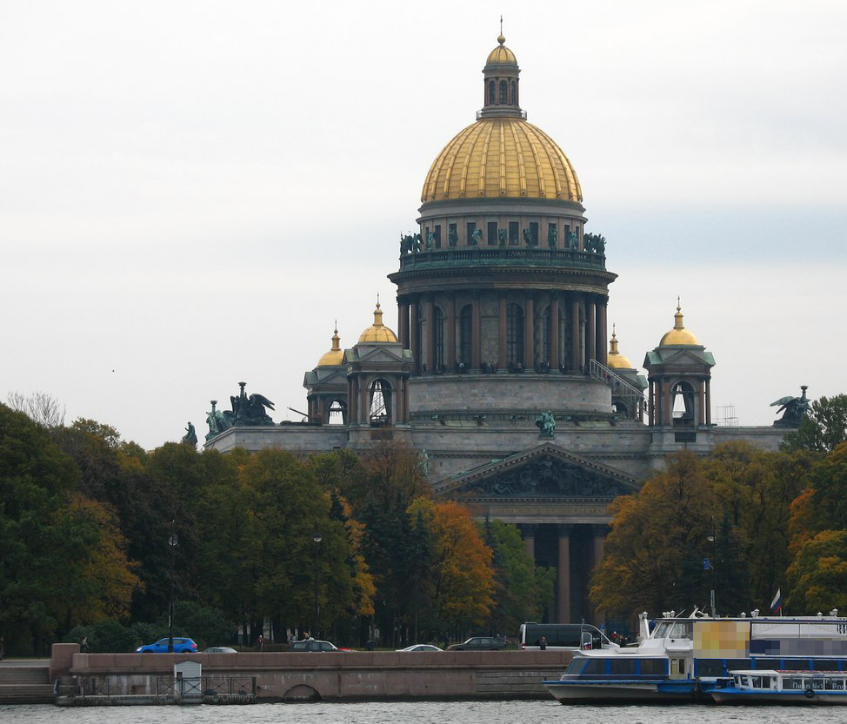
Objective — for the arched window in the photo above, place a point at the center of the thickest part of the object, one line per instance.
(492, 93)
(504, 92)
(514, 93)
(380, 405)
(437, 339)
(466, 335)
(682, 395)
(514, 334)
(338, 413)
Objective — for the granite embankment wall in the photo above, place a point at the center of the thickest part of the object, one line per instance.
(354, 676)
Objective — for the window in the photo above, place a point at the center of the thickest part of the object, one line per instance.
(438, 236)
(514, 230)
(595, 666)
(438, 338)
(623, 666)
(469, 230)
(652, 667)
(466, 334)
(380, 394)
(514, 334)
(452, 235)
(546, 333)
(710, 667)
(682, 394)
(533, 232)
(337, 413)
(504, 92)
(492, 233)
(514, 93)
(491, 93)
(552, 236)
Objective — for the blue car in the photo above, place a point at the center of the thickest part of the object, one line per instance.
(181, 646)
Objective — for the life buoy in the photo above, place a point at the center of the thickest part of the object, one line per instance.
(809, 693)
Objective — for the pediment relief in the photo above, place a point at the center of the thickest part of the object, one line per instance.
(549, 473)
(392, 355)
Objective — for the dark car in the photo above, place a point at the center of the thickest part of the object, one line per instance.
(479, 643)
(220, 650)
(312, 645)
(181, 646)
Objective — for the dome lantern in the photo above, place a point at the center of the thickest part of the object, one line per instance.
(335, 355)
(377, 332)
(679, 334)
(615, 359)
(502, 85)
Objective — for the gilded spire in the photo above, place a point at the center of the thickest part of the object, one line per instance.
(336, 339)
(613, 343)
(377, 313)
(378, 332)
(679, 334)
(616, 360)
(335, 356)
(678, 317)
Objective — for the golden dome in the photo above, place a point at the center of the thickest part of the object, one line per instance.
(501, 54)
(679, 334)
(501, 158)
(378, 332)
(335, 356)
(616, 360)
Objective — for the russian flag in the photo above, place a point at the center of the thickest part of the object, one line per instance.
(776, 604)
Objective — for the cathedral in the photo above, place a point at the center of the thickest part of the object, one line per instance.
(502, 371)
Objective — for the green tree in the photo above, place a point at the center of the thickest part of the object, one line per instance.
(822, 429)
(521, 590)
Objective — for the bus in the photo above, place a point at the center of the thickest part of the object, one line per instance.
(572, 636)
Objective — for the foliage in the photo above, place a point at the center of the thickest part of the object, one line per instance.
(206, 625)
(461, 579)
(521, 591)
(41, 407)
(107, 636)
(822, 429)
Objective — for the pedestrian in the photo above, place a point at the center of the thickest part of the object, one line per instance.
(83, 647)
(260, 642)
(543, 643)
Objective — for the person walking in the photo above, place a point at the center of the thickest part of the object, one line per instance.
(543, 643)
(260, 642)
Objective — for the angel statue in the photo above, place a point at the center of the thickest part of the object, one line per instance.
(794, 409)
(250, 411)
(546, 423)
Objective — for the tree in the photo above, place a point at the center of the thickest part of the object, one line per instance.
(462, 579)
(521, 590)
(822, 429)
(656, 536)
(40, 407)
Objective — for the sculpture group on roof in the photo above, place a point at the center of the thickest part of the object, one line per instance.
(793, 408)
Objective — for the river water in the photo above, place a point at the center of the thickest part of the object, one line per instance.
(429, 712)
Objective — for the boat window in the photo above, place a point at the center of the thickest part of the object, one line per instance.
(595, 666)
(735, 664)
(757, 682)
(575, 666)
(825, 665)
(623, 666)
(817, 683)
(792, 682)
(682, 631)
(653, 667)
(710, 667)
(661, 630)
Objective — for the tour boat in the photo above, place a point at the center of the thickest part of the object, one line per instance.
(760, 686)
(684, 659)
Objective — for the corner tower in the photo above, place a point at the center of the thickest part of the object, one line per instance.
(502, 282)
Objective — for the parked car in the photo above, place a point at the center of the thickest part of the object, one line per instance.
(181, 646)
(479, 643)
(421, 647)
(313, 645)
(220, 650)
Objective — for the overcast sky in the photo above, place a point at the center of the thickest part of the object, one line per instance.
(192, 192)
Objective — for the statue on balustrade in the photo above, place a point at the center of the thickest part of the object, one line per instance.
(476, 237)
(552, 236)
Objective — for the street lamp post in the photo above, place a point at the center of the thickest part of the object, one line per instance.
(173, 541)
(713, 539)
(317, 537)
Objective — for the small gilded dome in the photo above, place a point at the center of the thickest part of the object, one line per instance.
(501, 54)
(334, 357)
(501, 158)
(679, 334)
(377, 332)
(616, 360)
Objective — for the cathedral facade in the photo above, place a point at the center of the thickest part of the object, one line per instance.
(502, 372)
